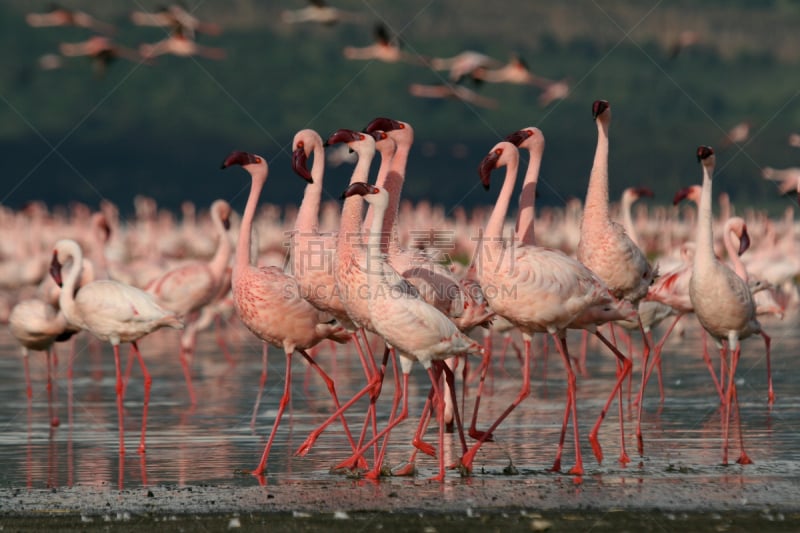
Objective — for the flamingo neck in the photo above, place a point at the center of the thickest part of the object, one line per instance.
(222, 256)
(627, 219)
(704, 248)
(308, 214)
(527, 201)
(394, 186)
(383, 171)
(242, 262)
(494, 227)
(596, 208)
(66, 299)
(375, 241)
(353, 208)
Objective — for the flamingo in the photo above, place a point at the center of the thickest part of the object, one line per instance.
(463, 64)
(188, 288)
(37, 325)
(454, 91)
(58, 15)
(269, 303)
(537, 289)
(101, 50)
(182, 45)
(321, 12)
(384, 49)
(175, 16)
(416, 329)
(721, 299)
(604, 246)
(113, 312)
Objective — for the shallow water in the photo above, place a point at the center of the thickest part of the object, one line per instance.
(213, 442)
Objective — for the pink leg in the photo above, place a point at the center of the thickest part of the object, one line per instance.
(352, 461)
(584, 350)
(148, 381)
(28, 386)
(771, 393)
(473, 430)
(54, 422)
(220, 338)
(627, 366)
(645, 359)
(743, 457)
(561, 344)
(728, 400)
(262, 381)
(440, 418)
(469, 457)
(332, 391)
(710, 366)
(187, 374)
(287, 394)
(450, 381)
(120, 415)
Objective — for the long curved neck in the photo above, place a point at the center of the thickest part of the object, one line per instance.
(383, 171)
(353, 207)
(374, 250)
(219, 263)
(527, 201)
(308, 214)
(627, 219)
(394, 186)
(494, 227)
(66, 300)
(242, 262)
(704, 248)
(596, 207)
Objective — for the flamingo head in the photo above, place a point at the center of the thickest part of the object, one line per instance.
(599, 107)
(344, 136)
(384, 124)
(223, 210)
(242, 158)
(528, 137)
(739, 228)
(691, 192)
(704, 152)
(300, 161)
(376, 196)
(643, 191)
(55, 269)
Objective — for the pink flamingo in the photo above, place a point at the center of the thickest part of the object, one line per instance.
(269, 302)
(58, 15)
(537, 289)
(605, 248)
(113, 312)
(37, 325)
(182, 45)
(722, 301)
(186, 289)
(416, 329)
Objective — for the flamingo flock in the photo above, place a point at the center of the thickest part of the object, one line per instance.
(356, 277)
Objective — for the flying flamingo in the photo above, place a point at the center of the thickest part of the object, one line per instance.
(454, 91)
(182, 45)
(187, 288)
(269, 302)
(101, 50)
(113, 312)
(463, 64)
(537, 289)
(416, 329)
(385, 49)
(172, 17)
(605, 248)
(58, 15)
(722, 301)
(321, 12)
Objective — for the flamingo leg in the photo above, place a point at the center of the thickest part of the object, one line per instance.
(148, 381)
(220, 338)
(728, 399)
(468, 458)
(185, 355)
(261, 382)
(645, 359)
(561, 344)
(771, 393)
(450, 379)
(120, 414)
(435, 377)
(484, 368)
(287, 394)
(627, 367)
(743, 459)
(54, 422)
(28, 386)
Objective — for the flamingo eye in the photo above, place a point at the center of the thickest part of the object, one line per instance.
(384, 135)
(258, 160)
(499, 151)
(361, 137)
(300, 144)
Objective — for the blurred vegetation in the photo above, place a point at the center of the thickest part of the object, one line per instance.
(163, 129)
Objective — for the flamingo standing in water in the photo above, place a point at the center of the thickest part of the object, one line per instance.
(111, 311)
(37, 325)
(605, 248)
(537, 289)
(722, 301)
(269, 303)
(188, 288)
(416, 329)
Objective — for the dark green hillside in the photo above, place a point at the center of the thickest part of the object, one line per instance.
(162, 129)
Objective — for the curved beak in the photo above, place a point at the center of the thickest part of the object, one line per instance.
(240, 158)
(744, 242)
(344, 136)
(384, 124)
(55, 270)
(681, 195)
(598, 106)
(359, 188)
(487, 165)
(299, 162)
(518, 137)
(644, 191)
